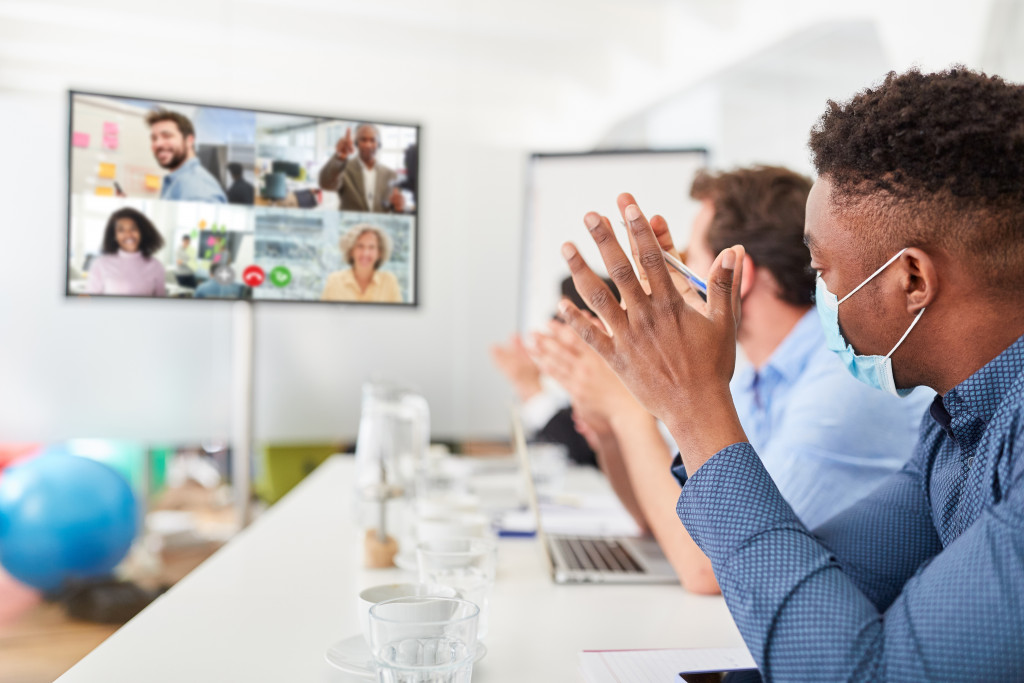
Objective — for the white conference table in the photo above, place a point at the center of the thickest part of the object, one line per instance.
(268, 605)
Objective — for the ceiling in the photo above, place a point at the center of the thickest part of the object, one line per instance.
(543, 72)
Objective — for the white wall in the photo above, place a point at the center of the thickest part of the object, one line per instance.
(489, 81)
(87, 367)
(161, 369)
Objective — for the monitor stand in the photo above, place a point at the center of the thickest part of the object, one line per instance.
(242, 333)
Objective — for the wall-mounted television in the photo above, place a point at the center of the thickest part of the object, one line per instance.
(193, 201)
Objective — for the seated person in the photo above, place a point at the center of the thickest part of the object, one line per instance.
(364, 247)
(794, 398)
(222, 285)
(185, 260)
(241, 190)
(126, 266)
(914, 227)
(546, 416)
(173, 140)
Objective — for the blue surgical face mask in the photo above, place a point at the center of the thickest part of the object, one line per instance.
(875, 371)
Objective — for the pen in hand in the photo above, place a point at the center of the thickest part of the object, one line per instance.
(695, 280)
(691, 277)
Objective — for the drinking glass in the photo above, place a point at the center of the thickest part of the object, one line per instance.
(466, 564)
(424, 639)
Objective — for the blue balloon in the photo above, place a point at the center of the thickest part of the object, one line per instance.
(63, 517)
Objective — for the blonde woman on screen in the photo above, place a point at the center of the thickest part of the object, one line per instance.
(365, 247)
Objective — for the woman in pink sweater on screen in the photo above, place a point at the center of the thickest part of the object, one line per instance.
(126, 267)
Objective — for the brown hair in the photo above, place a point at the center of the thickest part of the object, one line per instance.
(763, 209)
(180, 120)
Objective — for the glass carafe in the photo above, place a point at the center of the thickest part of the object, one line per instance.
(394, 435)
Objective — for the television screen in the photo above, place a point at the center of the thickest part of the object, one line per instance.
(168, 199)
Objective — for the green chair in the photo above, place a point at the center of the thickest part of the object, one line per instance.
(280, 467)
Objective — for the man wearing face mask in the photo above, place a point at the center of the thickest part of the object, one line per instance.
(363, 184)
(799, 407)
(173, 140)
(916, 228)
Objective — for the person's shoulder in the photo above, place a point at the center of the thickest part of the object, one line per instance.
(338, 275)
(101, 262)
(390, 290)
(335, 282)
(825, 381)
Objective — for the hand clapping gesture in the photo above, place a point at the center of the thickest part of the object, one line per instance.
(674, 353)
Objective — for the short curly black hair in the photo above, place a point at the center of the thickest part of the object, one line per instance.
(150, 240)
(933, 160)
(762, 208)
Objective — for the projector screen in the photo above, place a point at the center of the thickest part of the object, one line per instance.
(563, 187)
(192, 201)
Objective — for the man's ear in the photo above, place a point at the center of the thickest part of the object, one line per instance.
(918, 278)
(748, 276)
(190, 143)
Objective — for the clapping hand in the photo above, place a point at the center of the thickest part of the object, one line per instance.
(675, 356)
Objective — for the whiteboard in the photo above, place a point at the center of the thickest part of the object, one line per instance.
(561, 188)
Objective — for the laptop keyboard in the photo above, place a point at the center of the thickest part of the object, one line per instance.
(596, 554)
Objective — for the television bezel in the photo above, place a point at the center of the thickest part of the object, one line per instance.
(68, 294)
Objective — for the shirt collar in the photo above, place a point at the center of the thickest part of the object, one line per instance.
(350, 275)
(979, 395)
(941, 415)
(363, 165)
(185, 167)
(790, 357)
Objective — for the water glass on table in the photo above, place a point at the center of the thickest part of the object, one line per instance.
(466, 564)
(424, 639)
(368, 597)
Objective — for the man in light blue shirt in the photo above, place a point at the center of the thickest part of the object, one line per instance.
(794, 398)
(173, 140)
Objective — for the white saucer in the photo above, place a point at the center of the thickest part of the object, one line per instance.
(352, 655)
(406, 561)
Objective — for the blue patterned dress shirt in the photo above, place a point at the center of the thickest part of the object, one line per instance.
(804, 414)
(192, 182)
(923, 580)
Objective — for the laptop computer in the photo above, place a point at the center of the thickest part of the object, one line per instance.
(591, 559)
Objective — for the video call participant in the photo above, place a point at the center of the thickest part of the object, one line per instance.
(914, 226)
(365, 184)
(126, 266)
(364, 247)
(173, 140)
(185, 261)
(221, 284)
(241, 190)
(412, 165)
(794, 398)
